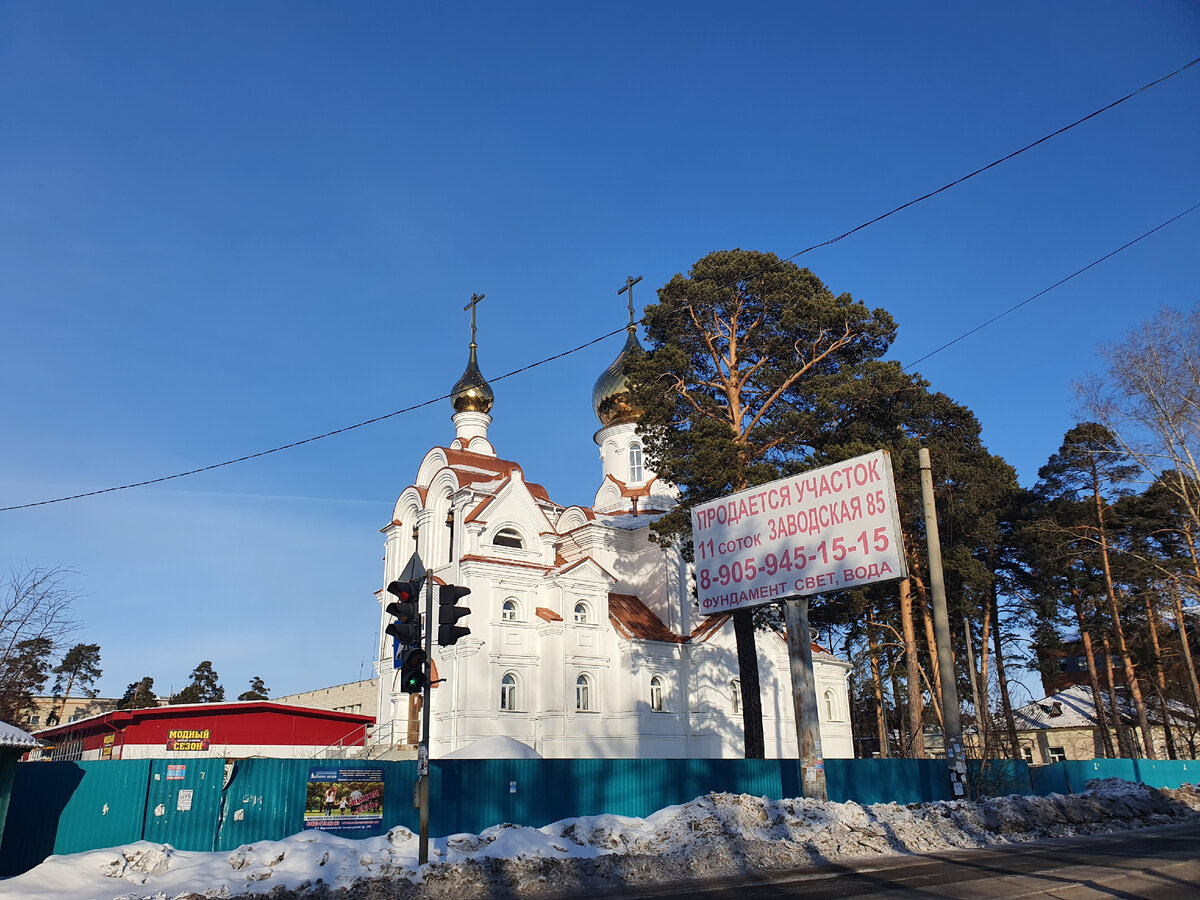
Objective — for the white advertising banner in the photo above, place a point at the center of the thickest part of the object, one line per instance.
(832, 528)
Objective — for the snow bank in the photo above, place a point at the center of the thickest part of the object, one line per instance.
(713, 835)
(496, 747)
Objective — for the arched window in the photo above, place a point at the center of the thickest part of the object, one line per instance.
(656, 694)
(508, 692)
(509, 611)
(583, 693)
(508, 537)
(735, 696)
(636, 471)
(830, 707)
(583, 613)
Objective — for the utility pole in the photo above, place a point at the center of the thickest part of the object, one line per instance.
(941, 630)
(804, 698)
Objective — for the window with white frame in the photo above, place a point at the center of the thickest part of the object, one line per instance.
(583, 693)
(508, 537)
(831, 710)
(656, 694)
(636, 471)
(508, 692)
(735, 696)
(510, 611)
(583, 612)
(1027, 754)
(1057, 754)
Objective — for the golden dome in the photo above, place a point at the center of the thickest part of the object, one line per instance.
(472, 393)
(610, 396)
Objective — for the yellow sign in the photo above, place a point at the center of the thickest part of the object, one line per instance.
(190, 739)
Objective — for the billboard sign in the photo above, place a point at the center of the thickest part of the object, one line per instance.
(344, 799)
(829, 529)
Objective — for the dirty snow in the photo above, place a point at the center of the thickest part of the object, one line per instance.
(713, 835)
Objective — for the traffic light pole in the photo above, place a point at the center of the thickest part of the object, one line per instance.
(423, 747)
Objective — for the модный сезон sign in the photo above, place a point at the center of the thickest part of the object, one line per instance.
(832, 528)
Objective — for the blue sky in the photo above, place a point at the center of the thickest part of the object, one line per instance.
(225, 227)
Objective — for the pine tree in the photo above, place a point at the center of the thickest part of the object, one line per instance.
(79, 669)
(745, 355)
(1091, 469)
(203, 688)
(139, 694)
(23, 673)
(258, 690)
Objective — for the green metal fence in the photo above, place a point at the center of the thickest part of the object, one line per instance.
(208, 804)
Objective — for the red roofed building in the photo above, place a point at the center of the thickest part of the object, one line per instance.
(228, 730)
(585, 638)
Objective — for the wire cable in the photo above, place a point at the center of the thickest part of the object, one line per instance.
(993, 164)
(541, 362)
(1094, 263)
(309, 440)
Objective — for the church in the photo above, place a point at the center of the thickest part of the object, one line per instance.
(585, 638)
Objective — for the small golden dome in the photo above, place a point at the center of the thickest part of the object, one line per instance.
(472, 393)
(610, 396)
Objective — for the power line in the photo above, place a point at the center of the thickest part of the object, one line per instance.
(548, 359)
(993, 164)
(583, 346)
(309, 440)
(1047, 290)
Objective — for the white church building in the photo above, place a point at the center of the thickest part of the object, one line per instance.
(585, 640)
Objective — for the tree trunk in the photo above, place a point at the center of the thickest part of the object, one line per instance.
(935, 693)
(877, 682)
(1123, 741)
(747, 653)
(981, 731)
(1160, 678)
(1118, 631)
(984, 659)
(916, 704)
(1183, 638)
(1010, 723)
(901, 726)
(1093, 678)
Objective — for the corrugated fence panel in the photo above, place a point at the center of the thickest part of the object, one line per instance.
(66, 807)
(183, 803)
(1051, 779)
(471, 795)
(1167, 773)
(265, 798)
(999, 777)
(69, 807)
(869, 781)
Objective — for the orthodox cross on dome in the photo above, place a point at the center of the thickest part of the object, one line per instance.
(630, 281)
(475, 298)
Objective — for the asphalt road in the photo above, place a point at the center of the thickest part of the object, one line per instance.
(1148, 863)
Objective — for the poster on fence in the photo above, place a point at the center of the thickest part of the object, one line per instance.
(344, 799)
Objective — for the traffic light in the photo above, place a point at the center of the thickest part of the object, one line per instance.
(412, 670)
(448, 614)
(407, 627)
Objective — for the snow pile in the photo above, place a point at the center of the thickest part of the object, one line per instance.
(496, 747)
(713, 835)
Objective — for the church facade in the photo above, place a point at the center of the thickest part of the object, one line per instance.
(585, 640)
